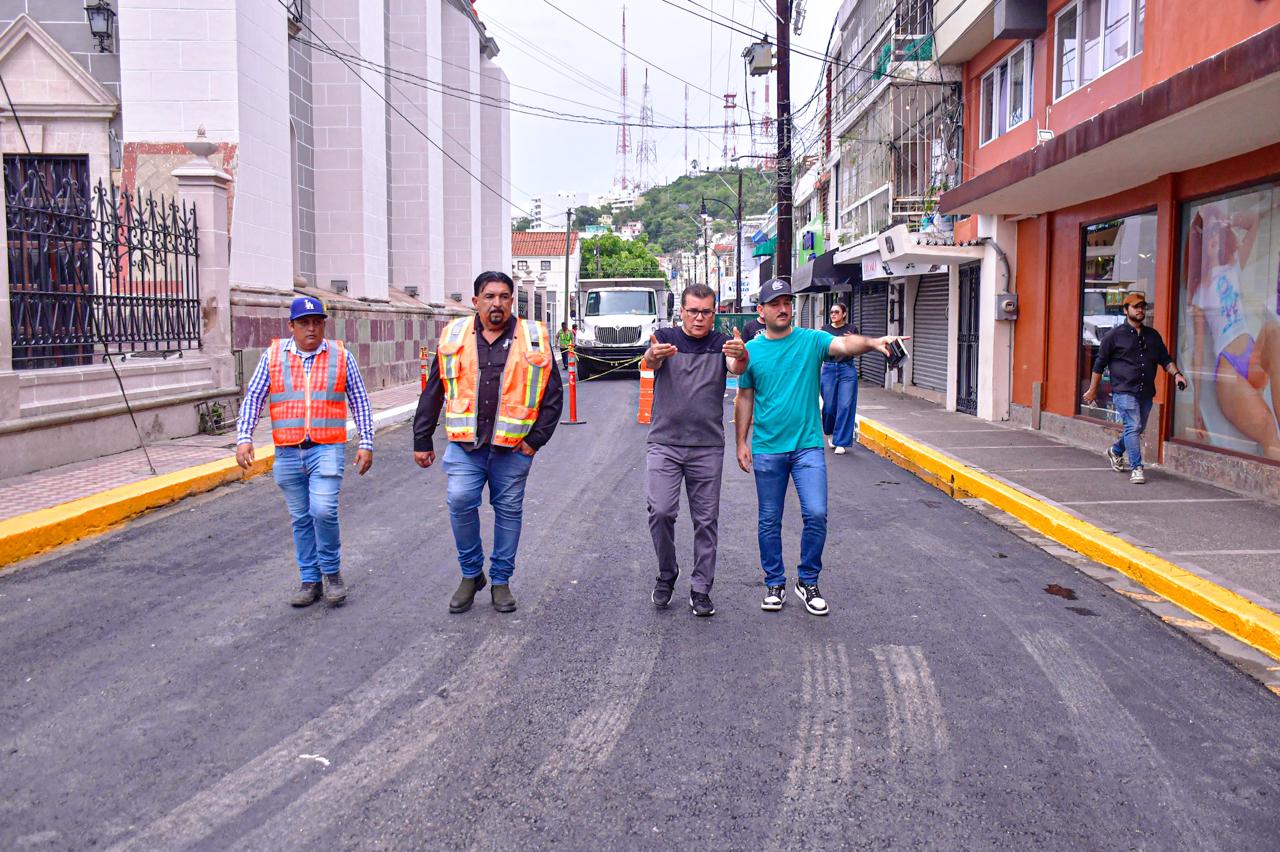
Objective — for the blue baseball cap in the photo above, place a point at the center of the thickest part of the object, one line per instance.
(306, 306)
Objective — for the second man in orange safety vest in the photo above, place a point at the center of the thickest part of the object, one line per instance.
(495, 379)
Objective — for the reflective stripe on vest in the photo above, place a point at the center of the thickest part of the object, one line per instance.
(524, 381)
(308, 405)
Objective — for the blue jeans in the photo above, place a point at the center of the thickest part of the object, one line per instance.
(839, 401)
(808, 469)
(505, 471)
(1132, 411)
(310, 480)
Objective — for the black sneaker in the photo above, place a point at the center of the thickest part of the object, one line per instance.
(813, 600)
(335, 591)
(702, 605)
(1117, 460)
(774, 598)
(662, 591)
(305, 595)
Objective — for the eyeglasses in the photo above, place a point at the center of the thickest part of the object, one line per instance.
(699, 312)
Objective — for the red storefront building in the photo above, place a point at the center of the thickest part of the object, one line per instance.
(1118, 145)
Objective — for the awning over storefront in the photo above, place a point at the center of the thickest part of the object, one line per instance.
(823, 274)
(768, 248)
(1210, 112)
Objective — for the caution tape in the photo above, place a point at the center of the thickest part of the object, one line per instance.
(625, 365)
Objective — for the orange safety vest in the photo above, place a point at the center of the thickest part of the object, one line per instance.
(303, 405)
(524, 381)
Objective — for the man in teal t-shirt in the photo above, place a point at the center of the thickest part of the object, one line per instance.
(779, 393)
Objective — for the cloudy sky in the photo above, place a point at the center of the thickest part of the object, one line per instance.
(554, 61)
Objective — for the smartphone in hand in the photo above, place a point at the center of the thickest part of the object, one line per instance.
(897, 354)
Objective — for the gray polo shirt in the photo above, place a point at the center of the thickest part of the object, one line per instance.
(688, 391)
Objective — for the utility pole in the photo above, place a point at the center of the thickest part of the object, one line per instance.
(568, 239)
(737, 254)
(782, 260)
(706, 250)
(597, 250)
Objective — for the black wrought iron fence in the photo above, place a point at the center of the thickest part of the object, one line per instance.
(92, 272)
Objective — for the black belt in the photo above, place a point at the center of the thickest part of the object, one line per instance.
(307, 444)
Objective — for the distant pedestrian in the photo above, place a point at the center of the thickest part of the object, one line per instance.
(751, 329)
(564, 339)
(308, 381)
(839, 386)
(496, 380)
(778, 393)
(1134, 353)
(686, 440)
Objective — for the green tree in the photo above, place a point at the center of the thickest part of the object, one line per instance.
(618, 258)
(524, 223)
(670, 213)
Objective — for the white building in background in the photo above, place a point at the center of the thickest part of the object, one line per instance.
(538, 267)
(547, 212)
(380, 197)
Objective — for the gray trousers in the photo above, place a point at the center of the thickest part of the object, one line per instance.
(699, 468)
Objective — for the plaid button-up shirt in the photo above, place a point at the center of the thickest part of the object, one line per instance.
(255, 395)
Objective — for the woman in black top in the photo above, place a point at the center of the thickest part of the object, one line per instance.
(839, 386)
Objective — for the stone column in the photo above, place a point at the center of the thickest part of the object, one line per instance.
(203, 186)
(995, 337)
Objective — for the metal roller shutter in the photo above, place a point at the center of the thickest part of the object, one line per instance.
(929, 334)
(873, 321)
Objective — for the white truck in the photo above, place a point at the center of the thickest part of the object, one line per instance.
(616, 317)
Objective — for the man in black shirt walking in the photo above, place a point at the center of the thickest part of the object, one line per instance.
(1134, 353)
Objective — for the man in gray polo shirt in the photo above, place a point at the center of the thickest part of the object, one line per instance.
(686, 439)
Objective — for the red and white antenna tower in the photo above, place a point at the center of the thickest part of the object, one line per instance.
(753, 127)
(647, 150)
(730, 129)
(624, 132)
(686, 128)
(766, 128)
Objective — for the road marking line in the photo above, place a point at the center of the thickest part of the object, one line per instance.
(1139, 500)
(198, 817)
(1105, 728)
(309, 817)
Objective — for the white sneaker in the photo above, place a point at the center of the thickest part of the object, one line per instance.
(841, 451)
(813, 599)
(1137, 477)
(831, 442)
(774, 598)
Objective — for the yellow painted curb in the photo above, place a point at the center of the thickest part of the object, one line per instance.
(1232, 613)
(35, 532)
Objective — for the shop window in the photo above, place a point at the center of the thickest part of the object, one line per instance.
(1006, 93)
(1228, 341)
(1118, 256)
(1093, 36)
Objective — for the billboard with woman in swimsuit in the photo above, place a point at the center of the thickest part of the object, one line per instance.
(1229, 329)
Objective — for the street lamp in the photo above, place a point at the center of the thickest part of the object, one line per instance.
(737, 249)
(102, 23)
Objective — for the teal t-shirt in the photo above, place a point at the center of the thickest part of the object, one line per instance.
(785, 375)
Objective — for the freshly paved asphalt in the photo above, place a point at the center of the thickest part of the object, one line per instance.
(156, 692)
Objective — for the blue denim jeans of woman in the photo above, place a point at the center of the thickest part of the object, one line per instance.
(505, 471)
(808, 469)
(310, 480)
(1132, 411)
(839, 401)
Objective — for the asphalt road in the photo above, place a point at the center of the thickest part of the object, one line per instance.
(156, 692)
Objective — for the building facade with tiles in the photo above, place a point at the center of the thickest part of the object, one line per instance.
(381, 196)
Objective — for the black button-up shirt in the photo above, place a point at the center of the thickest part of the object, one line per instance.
(492, 358)
(1134, 357)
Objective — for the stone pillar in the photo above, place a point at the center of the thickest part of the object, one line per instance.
(462, 224)
(203, 186)
(495, 152)
(995, 337)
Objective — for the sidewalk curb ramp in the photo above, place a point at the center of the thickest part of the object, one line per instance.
(27, 535)
(1232, 613)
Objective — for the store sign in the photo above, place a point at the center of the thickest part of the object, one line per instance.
(873, 267)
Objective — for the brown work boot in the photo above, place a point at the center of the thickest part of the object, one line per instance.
(466, 593)
(503, 600)
(335, 591)
(305, 595)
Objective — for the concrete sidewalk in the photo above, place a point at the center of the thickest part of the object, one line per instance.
(64, 503)
(1227, 539)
